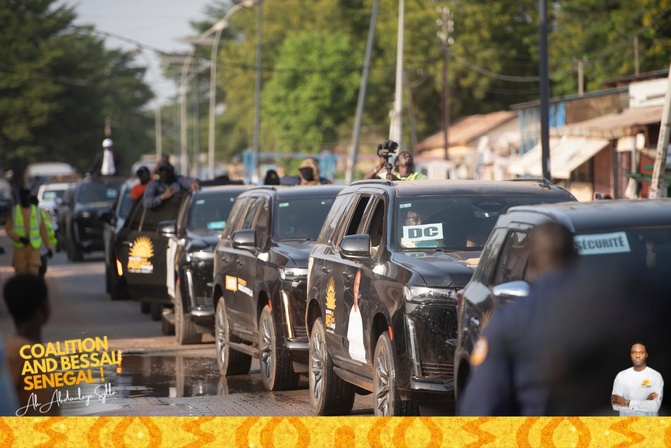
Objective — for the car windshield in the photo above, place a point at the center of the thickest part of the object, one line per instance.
(94, 192)
(210, 212)
(638, 247)
(454, 222)
(301, 218)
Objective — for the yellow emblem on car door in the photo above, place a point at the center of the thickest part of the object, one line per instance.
(139, 256)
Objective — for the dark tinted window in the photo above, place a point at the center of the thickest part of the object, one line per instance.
(210, 212)
(301, 218)
(235, 215)
(125, 204)
(333, 218)
(454, 222)
(513, 260)
(248, 220)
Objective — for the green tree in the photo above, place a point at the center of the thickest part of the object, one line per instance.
(59, 84)
(306, 106)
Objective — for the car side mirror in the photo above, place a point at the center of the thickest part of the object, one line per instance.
(511, 290)
(59, 201)
(167, 228)
(244, 239)
(356, 247)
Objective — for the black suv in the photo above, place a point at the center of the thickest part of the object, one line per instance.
(79, 225)
(641, 231)
(382, 286)
(190, 259)
(140, 251)
(260, 278)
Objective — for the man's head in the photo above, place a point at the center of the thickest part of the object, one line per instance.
(166, 172)
(638, 355)
(107, 143)
(26, 297)
(309, 171)
(550, 248)
(143, 174)
(413, 218)
(404, 158)
(24, 198)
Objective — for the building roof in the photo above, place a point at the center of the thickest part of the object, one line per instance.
(466, 130)
(614, 125)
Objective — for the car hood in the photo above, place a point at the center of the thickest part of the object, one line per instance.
(440, 269)
(297, 251)
(97, 207)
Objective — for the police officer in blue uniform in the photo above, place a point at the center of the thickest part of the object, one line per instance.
(508, 359)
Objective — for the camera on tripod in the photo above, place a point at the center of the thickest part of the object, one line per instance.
(385, 150)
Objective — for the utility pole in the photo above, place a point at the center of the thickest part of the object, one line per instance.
(446, 25)
(257, 91)
(657, 185)
(636, 55)
(581, 79)
(351, 165)
(396, 126)
(544, 89)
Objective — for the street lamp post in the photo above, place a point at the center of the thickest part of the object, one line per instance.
(157, 108)
(219, 27)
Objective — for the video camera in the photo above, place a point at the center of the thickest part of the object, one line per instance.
(385, 150)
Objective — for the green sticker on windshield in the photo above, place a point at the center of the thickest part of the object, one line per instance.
(200, 201)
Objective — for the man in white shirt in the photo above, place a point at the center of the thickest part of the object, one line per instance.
(638, 391)
(108, 163)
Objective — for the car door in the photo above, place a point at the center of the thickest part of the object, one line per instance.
(337, 281)
(175, 245)
(242, 260)
(144, 250)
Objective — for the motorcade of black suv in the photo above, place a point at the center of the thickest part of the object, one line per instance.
(618, 233)
(260, 279)
(113, 221)
(140, 250)
(190, 260)
(80, 229)
(382, 284)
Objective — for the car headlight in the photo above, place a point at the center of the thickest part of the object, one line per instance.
(293, 273)
(422, 294)
(85, 215)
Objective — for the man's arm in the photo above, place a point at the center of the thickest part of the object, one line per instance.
(9, 226)
(650, 405)
(617, 395)
(152, 197)
(97, 164)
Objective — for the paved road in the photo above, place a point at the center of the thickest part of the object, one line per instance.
(158, 376)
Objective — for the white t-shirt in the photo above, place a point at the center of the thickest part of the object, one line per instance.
(636, 386)
(355, 336)
(108, 168)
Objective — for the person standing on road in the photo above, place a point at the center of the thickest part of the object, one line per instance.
(44, 253)
(107, 163)
(167, 185)
(638, 391)
(27, 300)
(508, 358)
(404, 169)
(144, 175)
(28, 232)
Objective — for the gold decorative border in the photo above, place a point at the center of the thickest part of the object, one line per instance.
(339, 432)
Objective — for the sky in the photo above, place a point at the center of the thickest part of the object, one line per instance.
(153, 23)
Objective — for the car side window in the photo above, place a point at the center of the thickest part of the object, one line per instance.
(248, 220)
(235, 216)
(513, 261)
(375, 227)
(489, 256)
(333, 218)
(135, 216)
(183, 213)
(263, 223)
(353, 221)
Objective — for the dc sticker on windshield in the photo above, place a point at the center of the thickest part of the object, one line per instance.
(602, 243)
(423, 232)
(140, 254)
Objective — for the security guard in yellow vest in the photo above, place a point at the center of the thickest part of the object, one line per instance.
(44, 253)
(28, 231)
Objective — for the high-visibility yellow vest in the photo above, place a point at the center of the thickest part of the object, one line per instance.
(34, 236)
(50, 228)
(414, 176)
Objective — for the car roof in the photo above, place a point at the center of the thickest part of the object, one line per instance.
(219, 189)
(297, 191)
(586, 216)
(468, 187)
(55, 186)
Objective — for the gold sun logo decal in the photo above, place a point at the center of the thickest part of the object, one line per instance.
(330, 295)
(142, 248)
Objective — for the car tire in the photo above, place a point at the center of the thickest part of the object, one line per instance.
(74, 254)
(156, 311)
(119, 291)
(167, 328)
(277, 369)
(385, 391)
(329, 394)
(229, 361)
(185, 329)
(145, 307)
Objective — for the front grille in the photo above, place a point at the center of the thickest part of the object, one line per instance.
(432, 369)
